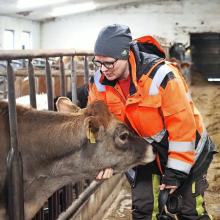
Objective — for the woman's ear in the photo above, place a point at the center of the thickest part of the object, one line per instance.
(65, 105)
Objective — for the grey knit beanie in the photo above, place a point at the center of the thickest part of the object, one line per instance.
(113, 41)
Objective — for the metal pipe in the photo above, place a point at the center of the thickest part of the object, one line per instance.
(66, 197)
(32, 90)
(14, 161)
(73, 80)
(23, 73)
(62, 78)
(79, 186)
(86, 69)
(77, 203)
(49, 86)
(26, 54)
(53, 204)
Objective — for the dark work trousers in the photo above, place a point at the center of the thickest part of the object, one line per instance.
(146, 190)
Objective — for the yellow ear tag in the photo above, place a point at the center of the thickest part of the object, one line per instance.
(91, 136)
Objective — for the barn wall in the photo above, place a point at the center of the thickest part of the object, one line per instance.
(170, 19)
(19, 25)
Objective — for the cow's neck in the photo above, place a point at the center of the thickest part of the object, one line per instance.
(50, 135)
(43, 186)
(49, 161)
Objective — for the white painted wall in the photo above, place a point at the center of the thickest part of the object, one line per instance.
(173, 20)
(19, 25)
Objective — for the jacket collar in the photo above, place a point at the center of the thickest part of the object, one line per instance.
(144, 59)
(104, 81)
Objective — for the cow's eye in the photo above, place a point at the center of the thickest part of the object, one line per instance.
(124, 136)
(121, 139)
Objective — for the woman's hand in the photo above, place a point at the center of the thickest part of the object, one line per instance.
(172, 188)
(105, 174)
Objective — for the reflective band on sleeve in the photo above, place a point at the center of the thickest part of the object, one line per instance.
(148, 139)
(180, 146)
(189, 97)
(132, 173)
(201, 144)
(158, 78)
(157, 137)
(99, 86)
(179, 165)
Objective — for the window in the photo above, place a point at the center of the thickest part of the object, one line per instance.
(25, 40)
(8, 40)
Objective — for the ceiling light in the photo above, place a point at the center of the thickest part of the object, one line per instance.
(24, 4)
(73, 9)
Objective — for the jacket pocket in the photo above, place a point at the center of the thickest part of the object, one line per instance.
(171, 110)
(148, 117)
(153, 101)
(116, 108)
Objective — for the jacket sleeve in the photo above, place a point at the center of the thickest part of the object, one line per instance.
(179, 122)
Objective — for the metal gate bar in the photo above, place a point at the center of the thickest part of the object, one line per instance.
(14, 160)
(73, 80)
(26, 54)
(62, 198)
(49, 86)
(32, 90)
(62, 81)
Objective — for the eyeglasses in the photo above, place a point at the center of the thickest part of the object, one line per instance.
(108, 65)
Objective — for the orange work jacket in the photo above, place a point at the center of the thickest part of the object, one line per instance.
(159, 107)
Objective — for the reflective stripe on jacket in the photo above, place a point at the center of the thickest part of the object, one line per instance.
(159, 103)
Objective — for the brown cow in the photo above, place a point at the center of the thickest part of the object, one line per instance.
(59, 148)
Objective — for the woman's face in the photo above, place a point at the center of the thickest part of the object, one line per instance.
(112, 68)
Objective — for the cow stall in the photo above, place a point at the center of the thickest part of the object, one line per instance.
(82, 205)
(68, 78)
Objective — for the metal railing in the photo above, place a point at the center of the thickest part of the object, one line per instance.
(61, 199)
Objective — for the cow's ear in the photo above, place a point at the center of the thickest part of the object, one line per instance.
(65, 105)
(94, 129)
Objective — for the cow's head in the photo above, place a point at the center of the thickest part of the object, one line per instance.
(110, 142)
